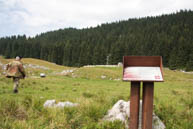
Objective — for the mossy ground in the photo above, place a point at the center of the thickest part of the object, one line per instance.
(173, 98)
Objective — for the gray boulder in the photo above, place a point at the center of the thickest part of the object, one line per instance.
(121, 111)
(66, 72)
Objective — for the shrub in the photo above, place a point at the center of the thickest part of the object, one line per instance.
(87, 95)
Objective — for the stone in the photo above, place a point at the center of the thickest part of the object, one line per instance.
(121, 111)
(50, 103)
(120, 64)
(103, 77)
(186, 72)
(66, 72)
(66, 104)
(53, 104)
(90, 66)
(118, 79)
(35, 66)
(42, 75)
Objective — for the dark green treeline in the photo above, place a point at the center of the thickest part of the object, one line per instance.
(170, 36)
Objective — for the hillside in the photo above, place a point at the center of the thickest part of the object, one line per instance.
(95, 89)
(169, 36)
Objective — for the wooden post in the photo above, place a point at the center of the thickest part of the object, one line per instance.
(146, 69)
(134, 105)
(147, 110)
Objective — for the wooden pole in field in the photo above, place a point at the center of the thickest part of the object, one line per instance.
(147, 108)
(134, 105)
(146, 69)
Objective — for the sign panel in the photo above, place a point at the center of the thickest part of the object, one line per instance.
(142, 74)
(142, 68)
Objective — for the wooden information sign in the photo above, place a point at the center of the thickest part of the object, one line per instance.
(146, 69)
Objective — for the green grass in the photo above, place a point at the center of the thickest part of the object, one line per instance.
(173, 99)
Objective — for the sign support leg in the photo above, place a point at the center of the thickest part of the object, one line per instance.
(147, 109)
(134, 105)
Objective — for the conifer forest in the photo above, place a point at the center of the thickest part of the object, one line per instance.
(169, 36)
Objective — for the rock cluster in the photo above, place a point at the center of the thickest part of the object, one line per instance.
(53, 104)
(90, 66)
(66, 72)
(186, 72)
(121, 111)
(35, 66)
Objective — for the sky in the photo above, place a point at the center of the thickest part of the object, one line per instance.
(32, 17)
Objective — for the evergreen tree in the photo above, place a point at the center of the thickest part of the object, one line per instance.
(169, 36)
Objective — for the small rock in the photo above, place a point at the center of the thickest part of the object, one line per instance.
(42, 75)
(50, 103)
(120, 64)
(66, 104)
(35, 66)
(118, 79)
(73, 75)
(66, 72)
(186, 72)
(103, 77)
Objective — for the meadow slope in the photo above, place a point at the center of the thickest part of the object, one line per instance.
(173, 99)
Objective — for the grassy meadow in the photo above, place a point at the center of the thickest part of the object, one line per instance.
(173, 99)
